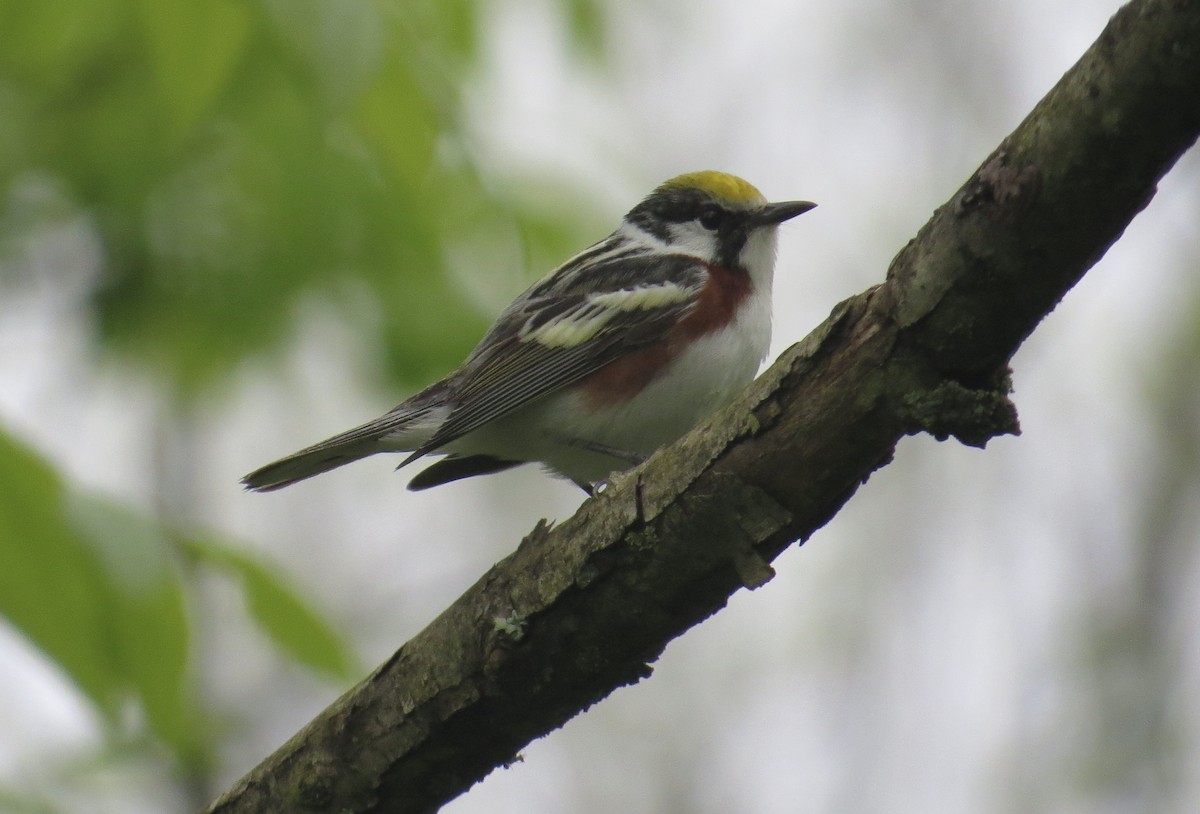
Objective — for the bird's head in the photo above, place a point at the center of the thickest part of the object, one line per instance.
(718, 217)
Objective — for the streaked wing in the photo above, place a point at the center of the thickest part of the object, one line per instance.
(566, 328)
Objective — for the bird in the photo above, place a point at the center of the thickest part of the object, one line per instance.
(618, 351)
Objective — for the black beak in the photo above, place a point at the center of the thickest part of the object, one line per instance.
(776, 213)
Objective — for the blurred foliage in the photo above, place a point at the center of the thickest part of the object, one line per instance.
(1129, 639)
(234, 158)
(53, 586)
(290, 622)
(103, 591)
(94, 587)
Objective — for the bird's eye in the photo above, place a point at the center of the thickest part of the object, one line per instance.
(711, 217)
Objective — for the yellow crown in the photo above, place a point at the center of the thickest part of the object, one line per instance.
(721, 185)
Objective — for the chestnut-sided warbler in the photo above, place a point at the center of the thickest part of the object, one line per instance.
(621, 349)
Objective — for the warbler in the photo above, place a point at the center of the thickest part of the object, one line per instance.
(618, 351)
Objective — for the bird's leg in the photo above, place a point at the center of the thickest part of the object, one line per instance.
(632, 459)
(638, 501)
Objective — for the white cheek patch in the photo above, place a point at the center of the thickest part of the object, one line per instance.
(582, 323)
(691, 238)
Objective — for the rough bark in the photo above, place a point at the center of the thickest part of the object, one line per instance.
(579, 610)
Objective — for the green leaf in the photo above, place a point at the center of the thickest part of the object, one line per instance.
(47, 42)
(587, 24)
(52, 586)
(13, 802)
(239, 161)
(194, 47)
(290, 621)
(93, 584)
(149, 618)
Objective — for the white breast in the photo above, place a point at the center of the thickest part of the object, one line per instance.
(703, 378)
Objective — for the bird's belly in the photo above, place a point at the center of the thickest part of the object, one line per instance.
(564, 430)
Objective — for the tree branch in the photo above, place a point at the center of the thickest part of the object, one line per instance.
(581, 609)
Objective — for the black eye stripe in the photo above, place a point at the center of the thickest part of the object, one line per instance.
(711, 217)
(672, 206)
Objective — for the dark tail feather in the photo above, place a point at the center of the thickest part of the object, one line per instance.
(328, 454)
(454, 468)
(305, 464)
